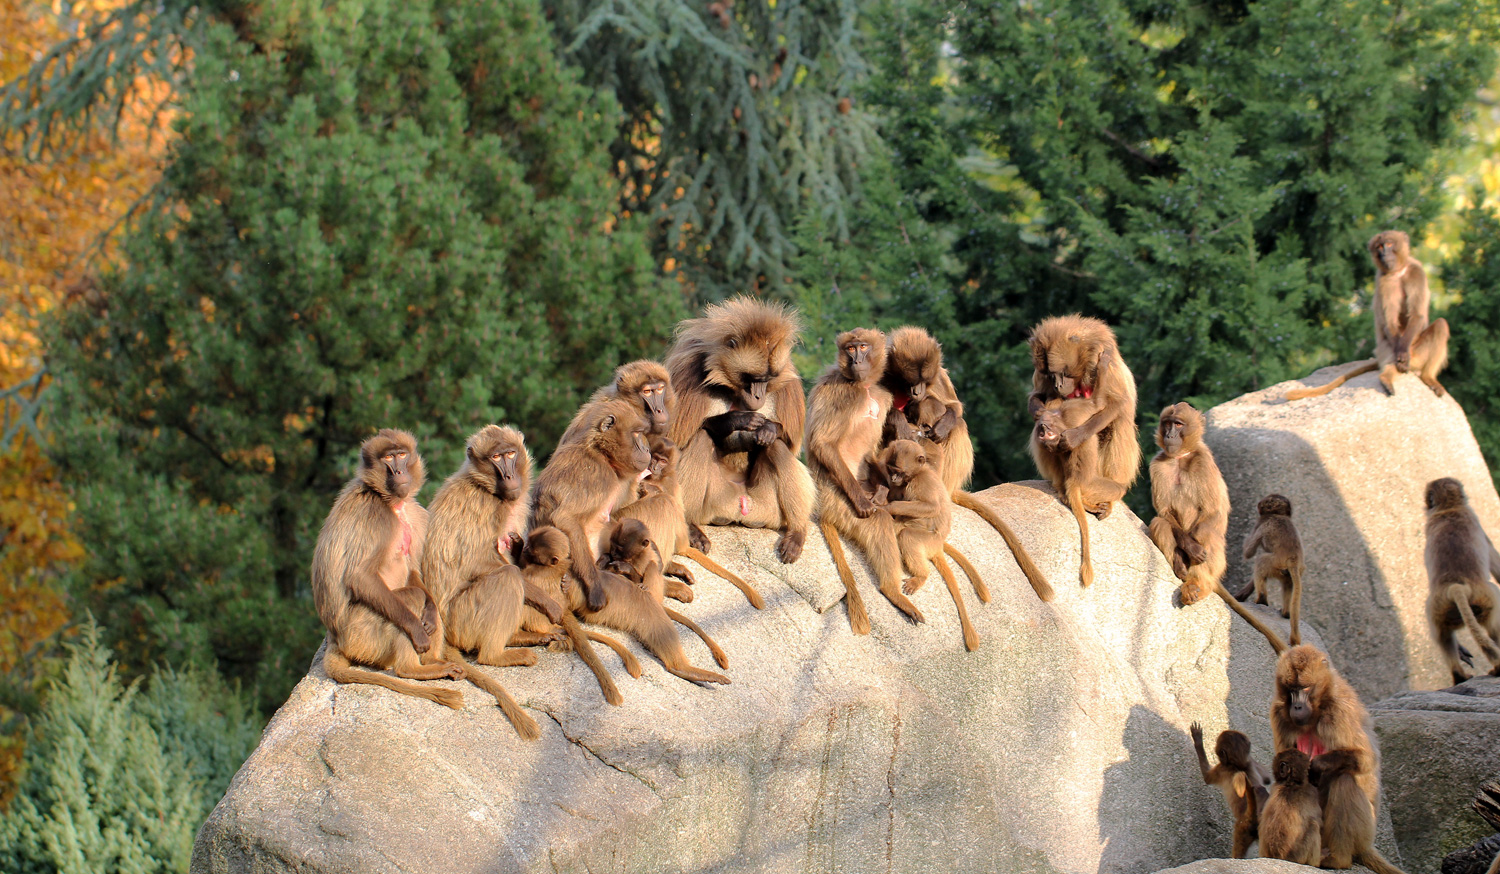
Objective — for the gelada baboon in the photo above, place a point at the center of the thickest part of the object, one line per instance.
(634, 610)
(645, 380)
(366, 578)
(846, 414)
(1242, 780)
(1291, 826)
(1404, 340)
(660, 508)
(1074, 473)
(632, 554)
(739, 423)
(1282, 559)
(1191, 501)
(1315, 710)
(1077, 357)
(926, 408)
(918, 503)
(1461, 561)
(544, 563)
(585, 482)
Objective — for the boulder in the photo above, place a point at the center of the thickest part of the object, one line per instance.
(1436, 748)
(1355, 464)
(1060, 745)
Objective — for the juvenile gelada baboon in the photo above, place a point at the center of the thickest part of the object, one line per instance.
(918, 503)
(1074, 473)
(660, 508)
(1291, 826)
(1461, 565)
(1242, 780)
(1315, 710)
(1282, 559)
(925, 407)
(846, 414)
(1404, 339)
(739, 423)
(631, 554)
(366, 579)
(1191, 501)
(1078, 357)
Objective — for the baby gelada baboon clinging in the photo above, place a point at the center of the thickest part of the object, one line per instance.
(1291, 826)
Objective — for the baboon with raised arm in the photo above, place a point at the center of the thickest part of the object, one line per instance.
(739, 423)
(1242, 780)
(926, 408)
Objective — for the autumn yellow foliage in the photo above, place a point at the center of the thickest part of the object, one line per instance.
(54, 222)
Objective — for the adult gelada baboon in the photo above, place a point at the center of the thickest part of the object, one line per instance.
(925, 407)
(645, 380)
(739, 422)
(1191, 501)
(1078, 357)
(1282, 559)
(847, 412)
(1243, 781)
(585, 482)
(367, 584)
(1315, 710)
(1461, 561)
(1404, 339)
(475, 517)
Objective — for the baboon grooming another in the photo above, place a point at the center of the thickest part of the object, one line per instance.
(739, 423)
(1291, 826)
(1404, 340)
(1242, 780)
(645, 380)
(1073, 473)
(847, 412)
(1078, 357)
(660, 508)
(585, 482)
(1191, 501)
(1315, 710)
(922, 394)
(1460, 563)
(1282, 559)
(365, 579)
(918, 503)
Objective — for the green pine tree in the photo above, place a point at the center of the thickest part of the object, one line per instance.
(99, 793)
(376, 214)
(1201, 176)
(1473, 373)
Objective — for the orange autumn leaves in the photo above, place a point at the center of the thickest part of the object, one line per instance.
(54, 215)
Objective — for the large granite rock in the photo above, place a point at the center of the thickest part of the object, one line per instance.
(1436, 748)
(1355, 464)
(1061, 745)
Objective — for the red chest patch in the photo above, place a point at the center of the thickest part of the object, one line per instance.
(1081, 392)
(899, 401)
(1310, 743)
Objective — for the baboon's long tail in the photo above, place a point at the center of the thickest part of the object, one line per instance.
(713, 647)
(859, 618)
(972, 572)
(627, 658)
(524, 725)
(586, 652)
(1298, 394)
(714, 567)
(971, 637)
(1028, 567)
(1459, 595)
(1272, 637)
(340, 670)
(1371, 858)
